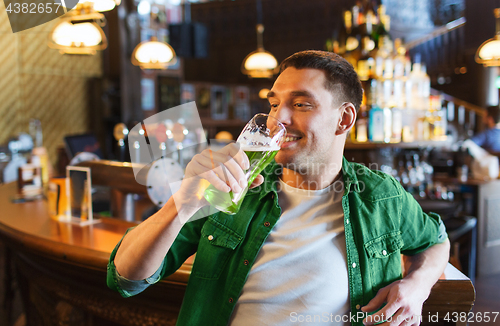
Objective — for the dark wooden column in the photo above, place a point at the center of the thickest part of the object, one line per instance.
(130, 77)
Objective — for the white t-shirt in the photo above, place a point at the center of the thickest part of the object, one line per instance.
(300, 274)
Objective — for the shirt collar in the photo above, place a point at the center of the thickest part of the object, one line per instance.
(349, 175)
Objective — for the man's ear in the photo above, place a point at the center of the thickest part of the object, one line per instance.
(347, 119)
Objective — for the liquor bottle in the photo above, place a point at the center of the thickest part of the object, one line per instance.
(376, 124)
(376, 114)
(425, 86)
(415, 79)
(398, 93)
(397, 125)
(362, 121)
(387, 124)
(39, 152)
(348, 39)
(383, 26)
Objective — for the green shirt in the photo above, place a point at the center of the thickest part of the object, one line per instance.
(381, 221)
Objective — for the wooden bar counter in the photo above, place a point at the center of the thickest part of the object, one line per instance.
(61, 273)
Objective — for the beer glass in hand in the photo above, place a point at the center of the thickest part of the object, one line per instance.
(261, 139)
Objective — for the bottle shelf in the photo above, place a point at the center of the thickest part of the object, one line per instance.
(416, 144)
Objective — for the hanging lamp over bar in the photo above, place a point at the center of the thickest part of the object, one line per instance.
(488, 53)
(153, 55)
(260, 63)
(79, 32)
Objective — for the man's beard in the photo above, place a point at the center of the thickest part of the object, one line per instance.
(302, 165)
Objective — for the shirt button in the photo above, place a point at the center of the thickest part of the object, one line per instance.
(210, 237)
(267, 224)
(353, 265)
(358, 306)
(347, 221)
(230, 300)
(245, 262)
(272, 196)
(384, 252)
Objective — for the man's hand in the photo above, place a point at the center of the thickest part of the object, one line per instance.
(404, 300)
(224, 169)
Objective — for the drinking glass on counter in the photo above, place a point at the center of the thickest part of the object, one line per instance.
(261, 140)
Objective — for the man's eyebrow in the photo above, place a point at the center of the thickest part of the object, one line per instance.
(302, 93)
(294, 94)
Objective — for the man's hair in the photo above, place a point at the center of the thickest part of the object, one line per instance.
(494, 112)
(341, 79)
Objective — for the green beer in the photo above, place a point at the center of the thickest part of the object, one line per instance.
(229, 202)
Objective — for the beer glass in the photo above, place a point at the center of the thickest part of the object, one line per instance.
(261, 140)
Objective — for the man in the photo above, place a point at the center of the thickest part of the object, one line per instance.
(327, 248)
(490, 138)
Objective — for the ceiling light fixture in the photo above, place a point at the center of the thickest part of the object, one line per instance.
(260, 63)
(488, 53)
(153, 55)
(79, 32)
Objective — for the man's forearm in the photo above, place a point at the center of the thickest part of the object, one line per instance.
(428, 266)
(142, 250)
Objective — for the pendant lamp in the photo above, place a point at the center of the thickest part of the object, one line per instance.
(153, 55)
(79, 32)
(260, 63)
(488, 54)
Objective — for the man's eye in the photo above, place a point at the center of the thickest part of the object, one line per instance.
(273, 106)
(301, 105)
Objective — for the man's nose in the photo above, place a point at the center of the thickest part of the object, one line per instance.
(283, 114)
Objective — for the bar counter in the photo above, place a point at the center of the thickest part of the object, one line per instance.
(60, 270)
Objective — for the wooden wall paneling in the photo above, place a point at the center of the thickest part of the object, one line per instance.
(288, 28)
(461, 47)
(426, 55)
(446, 47)
(438, 56)
(453, 54)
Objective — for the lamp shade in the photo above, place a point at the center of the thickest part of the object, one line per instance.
(260, 64)
(153, 55)
(77, 36)
(488, 53)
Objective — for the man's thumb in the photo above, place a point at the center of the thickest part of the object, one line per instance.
(376, 302)
(257, 181)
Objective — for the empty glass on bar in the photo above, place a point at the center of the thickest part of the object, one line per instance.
(261, 140)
